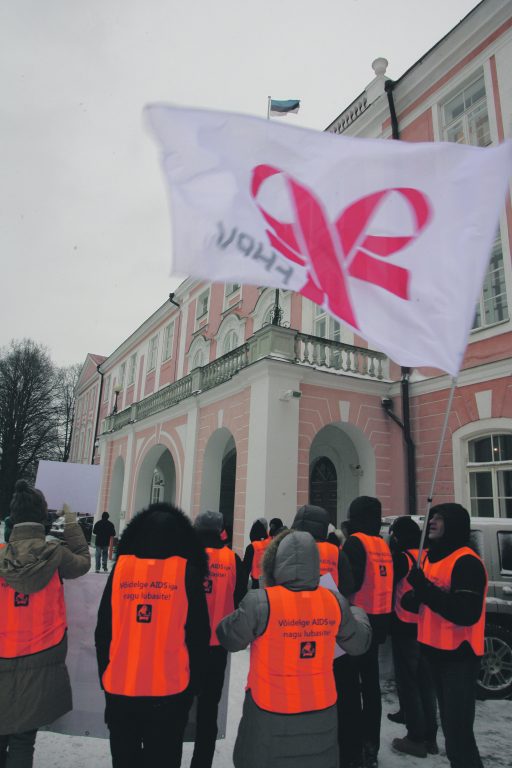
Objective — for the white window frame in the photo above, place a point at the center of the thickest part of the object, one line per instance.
(202, 300)
(488, 467)
(168, 341)
(498, 244)
(106, 393)
(333, 326)
(199, 345)
(122, 375)
(152, 353)
(464, 116)
(132, 370)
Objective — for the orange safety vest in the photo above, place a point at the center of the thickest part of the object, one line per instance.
(433, 629)
(403, 586)
(148, 655)
(329, 554)
(376, 593)
(31, 623)
(259, 548)
(219, 587)
(291, 662)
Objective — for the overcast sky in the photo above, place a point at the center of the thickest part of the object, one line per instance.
(84, 229)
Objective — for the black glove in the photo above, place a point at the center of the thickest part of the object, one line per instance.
(418, 581)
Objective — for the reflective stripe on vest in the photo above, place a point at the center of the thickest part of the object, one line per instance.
(329, 554)
(259, 548)
(437, 632)
(376, 593)
(148, 655)
(219, 587)
(291, 662)
(31, 623)
(403, 587)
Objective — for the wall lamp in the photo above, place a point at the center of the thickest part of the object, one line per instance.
(289, 393)
(117, 390)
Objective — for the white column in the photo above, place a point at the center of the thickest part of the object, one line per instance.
(189, 462)
(273, 445)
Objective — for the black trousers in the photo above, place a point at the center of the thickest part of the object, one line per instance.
(416, 688)
(455, 684)
(348, 705)
(147, 732)
(17, 750)
(208, 707)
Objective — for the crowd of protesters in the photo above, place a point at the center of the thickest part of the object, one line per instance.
(313, 605)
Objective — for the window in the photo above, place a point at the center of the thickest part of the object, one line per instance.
(168, 341)
(152, 353)
(106, 393)
(232, 288)
(326, 326)
(490, 475)
(132, 365)
(465, 116)
(122, 374)
(202, 305)
(505, 549)
(230, 342)
(198, 359)
(492, 306)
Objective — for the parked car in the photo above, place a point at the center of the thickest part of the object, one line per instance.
(492, 539)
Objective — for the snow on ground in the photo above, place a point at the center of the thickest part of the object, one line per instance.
(492, 730)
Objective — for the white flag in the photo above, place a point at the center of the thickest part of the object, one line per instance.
(392, 238)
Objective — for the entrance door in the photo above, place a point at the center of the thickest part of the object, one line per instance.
(227, 491)
(323, 487)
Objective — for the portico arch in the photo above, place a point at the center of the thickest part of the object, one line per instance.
(219, 475)
(156, 479)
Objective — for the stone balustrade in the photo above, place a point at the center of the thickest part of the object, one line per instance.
(271, 341)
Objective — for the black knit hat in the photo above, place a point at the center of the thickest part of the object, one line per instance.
(364, 514)
(28, 505)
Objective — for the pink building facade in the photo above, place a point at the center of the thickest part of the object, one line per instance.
(209, 405)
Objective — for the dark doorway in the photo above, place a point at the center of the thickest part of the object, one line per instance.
(323, 487)
(227, 491)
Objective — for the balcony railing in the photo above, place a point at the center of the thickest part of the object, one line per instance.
(270, 342)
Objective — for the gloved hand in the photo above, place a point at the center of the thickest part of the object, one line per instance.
(69, 515)
(419, 583)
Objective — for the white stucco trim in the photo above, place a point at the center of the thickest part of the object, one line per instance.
(460, 439)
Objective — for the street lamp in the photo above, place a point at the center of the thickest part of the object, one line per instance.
(117, 390)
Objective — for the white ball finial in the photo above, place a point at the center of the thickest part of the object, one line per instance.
(379, 66)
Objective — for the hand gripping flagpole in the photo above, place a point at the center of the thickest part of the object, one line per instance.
(436, 467)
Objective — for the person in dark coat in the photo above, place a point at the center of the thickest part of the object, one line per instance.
(258, 533)
(145, 729)
(304, 739)
(364, 523)
(103, 530)
(209, 526)
(413, 679)
(454, 610)
(34, 684)
(275, 527)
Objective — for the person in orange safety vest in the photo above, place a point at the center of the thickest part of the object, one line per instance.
(35, 688)
(224, 586)
(289, 713)
(152, 637)
(450, 592)
(372, 570)
(253, 556)
(413, 679)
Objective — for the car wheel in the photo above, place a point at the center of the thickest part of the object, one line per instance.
(495, 678)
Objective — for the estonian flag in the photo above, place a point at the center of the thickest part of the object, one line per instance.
(284, 107)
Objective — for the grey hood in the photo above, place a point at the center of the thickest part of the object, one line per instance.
(291, 560)
(28, 562)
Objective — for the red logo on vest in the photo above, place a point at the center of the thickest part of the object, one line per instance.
(334, 251)
(144, 612)
(308, 650)
(208, 586)
(20, 600)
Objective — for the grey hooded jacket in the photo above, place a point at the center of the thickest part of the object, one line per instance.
(35, 689)
(265, 739)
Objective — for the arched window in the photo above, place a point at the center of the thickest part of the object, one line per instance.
(198, 359)
(230, 342)
(489, 469)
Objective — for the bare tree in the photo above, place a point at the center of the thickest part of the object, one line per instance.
(66, 381)
(28, 414)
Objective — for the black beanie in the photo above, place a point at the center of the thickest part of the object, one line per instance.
(407, 532)
(365, 515)
(28, 505)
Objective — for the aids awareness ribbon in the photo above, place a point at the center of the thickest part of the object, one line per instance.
(333, 252)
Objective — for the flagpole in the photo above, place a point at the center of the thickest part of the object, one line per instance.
(277, 312)
(436, 467)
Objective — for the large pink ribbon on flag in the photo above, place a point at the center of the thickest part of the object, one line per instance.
(335, 251)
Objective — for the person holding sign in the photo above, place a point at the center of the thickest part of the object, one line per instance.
(152, 637)
(35, 688)
(224, 587)
(292, 625)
